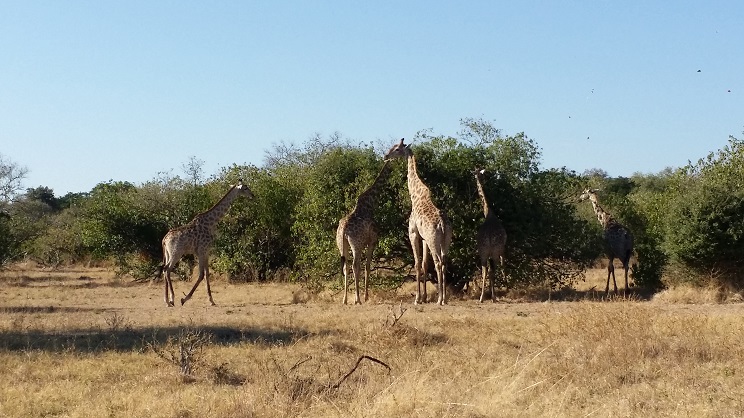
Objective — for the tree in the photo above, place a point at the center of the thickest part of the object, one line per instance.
(11, 180)
(6, 240)
(194, 170)
(44, 195)
(255, 242)
(704, 216)
(30, 217)
(117, 222)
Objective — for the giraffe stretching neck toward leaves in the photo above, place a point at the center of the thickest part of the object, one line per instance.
(428, 227)
(490, 239)
(195, 238)
(357, 232)
(618, 240)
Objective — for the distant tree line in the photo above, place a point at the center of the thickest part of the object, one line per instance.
(688, 222)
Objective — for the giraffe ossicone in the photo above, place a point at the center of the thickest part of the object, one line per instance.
(195, 238)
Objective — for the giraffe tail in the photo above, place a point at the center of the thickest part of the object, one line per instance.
(159, 270)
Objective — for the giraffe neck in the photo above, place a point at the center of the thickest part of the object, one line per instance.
(367, 199)
(482, 194)
(211, 216)
(416, 188)
(603, 217)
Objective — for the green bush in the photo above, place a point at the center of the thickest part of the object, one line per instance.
(255, 241)
(704, 223)
(6, 240)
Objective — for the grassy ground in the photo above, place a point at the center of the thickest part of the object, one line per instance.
(82, 343)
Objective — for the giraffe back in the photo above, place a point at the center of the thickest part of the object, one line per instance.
(618, 239)
(491, 237)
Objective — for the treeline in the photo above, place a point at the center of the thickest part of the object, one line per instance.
(688, 223)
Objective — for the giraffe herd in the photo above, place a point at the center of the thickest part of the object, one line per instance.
(429, 230)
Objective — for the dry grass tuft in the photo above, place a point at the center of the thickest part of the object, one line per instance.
(687, 294)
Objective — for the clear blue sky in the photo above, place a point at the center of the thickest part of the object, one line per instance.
(99, 90)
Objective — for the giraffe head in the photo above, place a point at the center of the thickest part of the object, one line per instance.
(243, 190)
(590, 194)
(479, 173)
(399, 150)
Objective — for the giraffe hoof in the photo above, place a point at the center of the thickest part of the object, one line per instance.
(183, 300)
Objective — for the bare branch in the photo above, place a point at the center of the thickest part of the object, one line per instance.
(336, 386)
(11, 177)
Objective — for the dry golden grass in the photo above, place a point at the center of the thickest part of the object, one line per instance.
(81, 343)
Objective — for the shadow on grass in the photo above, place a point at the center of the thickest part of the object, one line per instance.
(537, 294)
(95, 340)
(46, 309)
(633, 294)
(86, 282)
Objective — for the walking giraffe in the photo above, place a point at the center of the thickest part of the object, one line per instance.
(490, 240)
(357, 231)
(618, 240)
(195, 238)
(428, 227)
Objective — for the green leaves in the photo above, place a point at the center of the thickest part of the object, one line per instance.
(705, 208)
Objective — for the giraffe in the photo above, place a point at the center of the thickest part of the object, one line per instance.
(357, 232)
(490, 240)
(428, 227)
(195, 238)
(618, 239)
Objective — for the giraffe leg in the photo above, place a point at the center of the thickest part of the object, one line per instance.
(187, 297)
(202, 274)
(492, 278)
(607, 287)
(367, 268)
(436, 258)
(503, 278)
(356, 265)
(165, 282)
(346, 282)
(344, 247)
(425, 268)
(625, 290)
(209, 289)
(484, 273)
(416, 246)
(168, 284)
(172, 294)
(614, 282)
(441, 279)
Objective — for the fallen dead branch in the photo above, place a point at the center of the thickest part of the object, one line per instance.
(336, 386)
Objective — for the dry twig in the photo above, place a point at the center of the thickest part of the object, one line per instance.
(336, 386)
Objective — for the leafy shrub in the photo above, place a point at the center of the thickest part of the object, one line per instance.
(704, 226)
